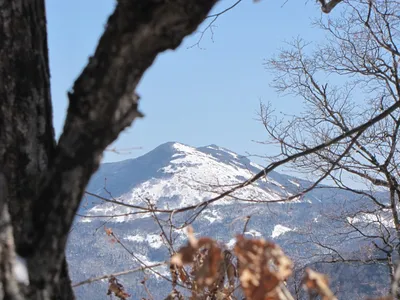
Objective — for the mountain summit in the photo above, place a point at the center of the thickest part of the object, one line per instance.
(175, 175)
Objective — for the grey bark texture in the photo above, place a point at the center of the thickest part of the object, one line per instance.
(46, 180)
(8, 284)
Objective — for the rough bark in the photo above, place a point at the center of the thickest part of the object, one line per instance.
(26, 134)
(46, 182)
(102, 103)
(8, 284)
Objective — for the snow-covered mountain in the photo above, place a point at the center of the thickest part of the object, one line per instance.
(174, 176)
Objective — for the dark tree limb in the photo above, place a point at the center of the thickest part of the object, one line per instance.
(46, 182)
(27, 144)
(327, 7)
(102, 103)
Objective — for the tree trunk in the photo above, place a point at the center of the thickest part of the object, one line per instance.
(26, 134)
(46, 181)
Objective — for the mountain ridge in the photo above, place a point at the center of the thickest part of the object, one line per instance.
(169, 167)
(175, 175)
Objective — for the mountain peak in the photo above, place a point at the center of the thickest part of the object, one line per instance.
(174, 146)
(175, 175)
(182, 147)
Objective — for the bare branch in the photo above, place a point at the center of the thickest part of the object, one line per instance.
(126, 272)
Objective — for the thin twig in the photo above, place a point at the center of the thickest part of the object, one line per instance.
(246, 223)
(130, 271)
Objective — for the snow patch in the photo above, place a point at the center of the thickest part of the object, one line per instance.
(212, 216)
(253, 233)
(257, 166)
(183, 148)
(154, 240)
(376, 219)
(231, 243)
(162, 270)
(233, 154)
(85, 220)
(134, 238)
(279, 230)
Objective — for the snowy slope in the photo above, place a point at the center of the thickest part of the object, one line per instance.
(184, 176)
(175, 175)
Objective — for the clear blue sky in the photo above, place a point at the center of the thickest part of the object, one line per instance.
(194, 96)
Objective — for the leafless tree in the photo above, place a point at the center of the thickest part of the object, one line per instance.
(347, 81)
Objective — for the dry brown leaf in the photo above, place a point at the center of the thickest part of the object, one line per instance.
(117, 288)
(263, 266)
(108, 231)
(208, 259)
(229, 269)
(318, 283)
(183, 256)
(182, 274)
(208, 272)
